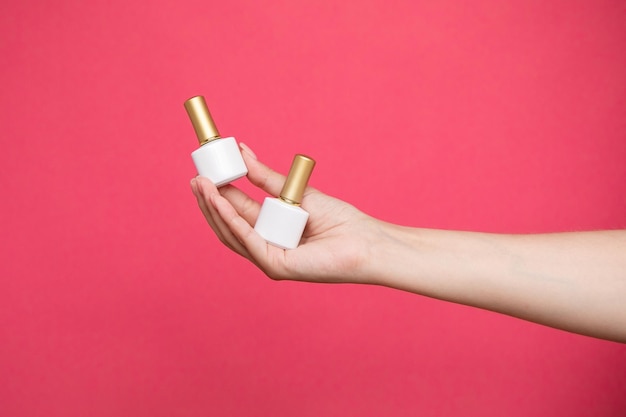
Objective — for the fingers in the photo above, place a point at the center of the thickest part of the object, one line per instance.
(204, 189)
(260, 175)
(244, 233)
(246, 207)
(232, 229)
(202, 204)
(231, 214)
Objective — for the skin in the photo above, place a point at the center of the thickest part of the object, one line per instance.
(571, 281)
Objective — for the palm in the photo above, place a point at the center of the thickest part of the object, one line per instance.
(332, 245)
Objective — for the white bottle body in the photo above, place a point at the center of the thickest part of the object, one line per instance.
(220, 161)
(280, 223)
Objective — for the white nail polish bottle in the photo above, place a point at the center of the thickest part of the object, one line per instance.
(282, 220)
(218, 159)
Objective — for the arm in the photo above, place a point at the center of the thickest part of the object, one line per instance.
(571, 281)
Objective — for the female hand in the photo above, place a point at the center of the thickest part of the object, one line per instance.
(335, 245)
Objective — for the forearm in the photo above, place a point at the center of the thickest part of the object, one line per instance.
(572, 281)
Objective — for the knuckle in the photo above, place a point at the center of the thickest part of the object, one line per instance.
(247, 208)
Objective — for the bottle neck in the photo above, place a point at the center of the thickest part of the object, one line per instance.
(209, 140)
(288, 201)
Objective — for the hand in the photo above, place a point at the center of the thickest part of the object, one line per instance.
(336, 243)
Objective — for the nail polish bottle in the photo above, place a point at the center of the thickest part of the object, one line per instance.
(282, 220)
(218, 159)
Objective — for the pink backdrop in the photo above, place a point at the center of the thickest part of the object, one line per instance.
(115, 297)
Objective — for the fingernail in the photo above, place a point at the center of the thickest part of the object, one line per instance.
(246, 149)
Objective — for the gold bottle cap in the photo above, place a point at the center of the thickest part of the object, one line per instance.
(299, 174)
(201, 119)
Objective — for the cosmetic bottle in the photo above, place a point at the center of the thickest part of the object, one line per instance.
(218, 159)
(282, 220)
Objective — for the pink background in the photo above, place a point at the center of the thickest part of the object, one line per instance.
(116, 298)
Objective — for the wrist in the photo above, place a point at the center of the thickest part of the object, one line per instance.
(391, 255)
(442, 264)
